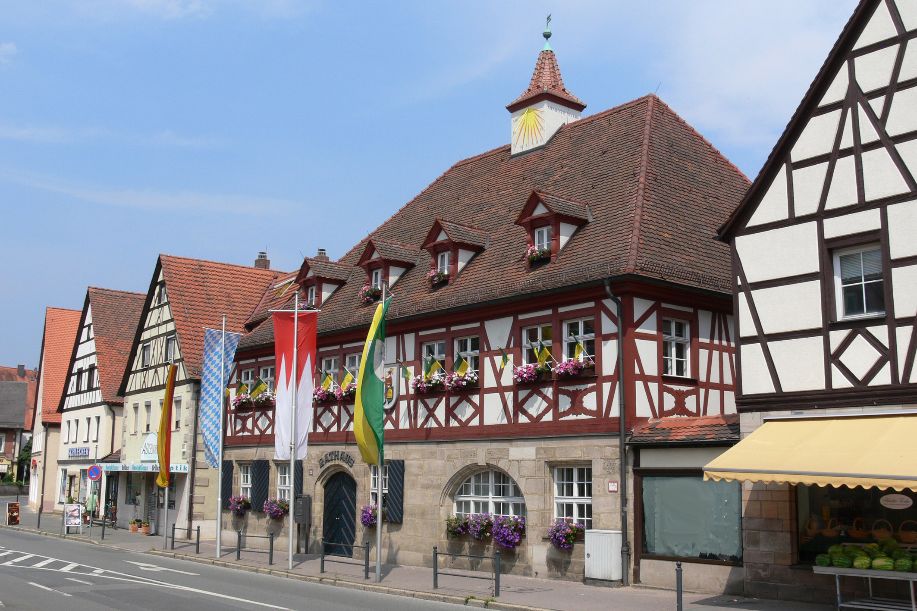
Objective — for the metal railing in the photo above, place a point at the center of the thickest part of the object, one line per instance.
(364, 547)
(197, 538)
(270, 549)
(495, 563)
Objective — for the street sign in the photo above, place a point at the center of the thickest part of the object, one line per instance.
(95, 473)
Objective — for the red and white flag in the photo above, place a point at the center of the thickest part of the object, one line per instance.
(307, 326)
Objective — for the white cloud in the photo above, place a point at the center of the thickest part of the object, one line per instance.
(8, 50)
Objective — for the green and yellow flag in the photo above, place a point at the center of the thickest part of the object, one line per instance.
(370, 399)
(504, 359)
(543, 354)
(431, 366)
(242, 388)
(347, 379)
(461, 366)
(258, 387)
(327, 381)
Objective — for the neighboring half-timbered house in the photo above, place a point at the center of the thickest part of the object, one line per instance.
(825, 271)
(91, 407)
(522, 250)
(185, 296)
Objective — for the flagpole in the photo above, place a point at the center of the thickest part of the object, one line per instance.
(165, 522)
(220, 453)
(293, 439)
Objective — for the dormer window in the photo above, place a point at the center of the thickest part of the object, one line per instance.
(452, 247)
(442, 262)
(310, 296)
(551, 223)
(319, 278)
(542, 237)
(376, 278)
(385, 263)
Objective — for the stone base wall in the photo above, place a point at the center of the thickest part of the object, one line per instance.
(696, 577)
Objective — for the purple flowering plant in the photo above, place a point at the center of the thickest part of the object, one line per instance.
(346, 392)
(265, 400)
(422, 385)
(276, 509)
(569, 368)
(322, 395)
(243, 400)
(239, 505)
(369, 515)
(530, 372)
(456, 526)
(457, 381)
(564, 532)
(480, 525)
(508, 531)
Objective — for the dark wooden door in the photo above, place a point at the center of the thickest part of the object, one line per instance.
(340, 515)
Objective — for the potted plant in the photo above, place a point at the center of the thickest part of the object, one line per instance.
(265, 400)
(145, 528)
(346, 393)
(537, 255)
(135, 525)
(531, 372)
(508, 531)
(322, 395)
(436, 277)
(456, 526)
(423, 385)
(459, 381)
(480, 526)
(564, 532)
(239, 505)
(276, 509)
(243, 402)
(369, 515)
(571, 368)
(370, 294)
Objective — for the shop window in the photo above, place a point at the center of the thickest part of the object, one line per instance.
(827, 516)
(533, 339)
(283, 482)
(245, 480)
(686, 518)
(160, 495)
(434, 351)
(573, 494)
(469, 348)
(374, 484)
(858, 283)
(676, 346)
(267, 374)
(579, 339)
(132, 489)
(491, 492)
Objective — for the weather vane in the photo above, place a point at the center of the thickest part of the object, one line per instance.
(547, 33)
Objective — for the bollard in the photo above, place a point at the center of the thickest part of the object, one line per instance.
(197, 543)
(366, 561)
(678, 587)
(238, 544)
(321, 566)
(496, 573)
(173, 535)
(104, 520)
(435, 568)
(270, 550)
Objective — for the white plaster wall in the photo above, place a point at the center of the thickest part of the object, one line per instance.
(843, 189)
(799, 363)
(328, 290)
(817, 137)
(565, 233)
(904, 281)
(874, 70)
(755, 376)
(881, 177)
(808, 184)
(773, 205)
(464, 256)
(790, 307)
(855, 222)
(779, 253)
(879, 27)
(394, 274)
(648, 351)
(902, 222)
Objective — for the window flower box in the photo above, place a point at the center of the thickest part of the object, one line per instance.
(573, 368)
(243, 402)
(322, 395)
(504, 531)
(276, 509)
(564, 532)
(369, 515)
(424, 386)
(265, 400)
(346, 393)
(537, 255)
(370, 294)
(436, 277)
(239, 505)
(459, 382)
(530, 373)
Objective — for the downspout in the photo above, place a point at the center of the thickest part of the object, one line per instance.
(193, 462)
(622, 448)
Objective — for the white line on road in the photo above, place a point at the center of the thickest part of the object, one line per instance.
(38, 585)
(26, 557)
(146, 566)
(69, 567)
(85, 583)
(44, 563)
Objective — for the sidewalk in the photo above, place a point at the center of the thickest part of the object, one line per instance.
(515, 592)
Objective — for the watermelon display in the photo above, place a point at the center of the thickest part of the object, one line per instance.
(823, 560)
(835, 549)
(883, 564)
(898, 554)
(904, 564)
(841, 561)
(862, 562)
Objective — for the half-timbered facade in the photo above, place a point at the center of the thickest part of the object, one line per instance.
(590, 240)
(825, 271)
(91, 407)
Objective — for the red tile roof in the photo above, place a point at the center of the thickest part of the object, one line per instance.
(546, 82)
(201, 292)
(61, 327)
(687, 430)
(115, 316)
(11, 374)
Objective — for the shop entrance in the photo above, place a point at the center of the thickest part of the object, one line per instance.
(340, 513)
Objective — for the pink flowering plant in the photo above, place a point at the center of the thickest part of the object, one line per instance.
(571, 368)
(242, 401)
(458, 381)
(370, 294)
(535, 254)
(423, 385)
(265, 400)
(276, 509)
(239, 505)
(435, 277)
(530, 372)
(508, 531)
(322, 395)
(369, 515)
(343, 393)
(564, 532)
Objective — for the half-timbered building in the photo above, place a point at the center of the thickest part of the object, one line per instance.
(825, 272)
(90, 405)
(585, 237)
(184, 297)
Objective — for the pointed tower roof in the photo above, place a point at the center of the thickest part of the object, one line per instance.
(547, 82)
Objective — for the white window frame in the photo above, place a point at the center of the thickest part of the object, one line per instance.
(148, 415)
(310, 295)
(88, 426)
(442, 261)
(332, 365)
(76, 430)
(672, 341)
(136, 419)
(171, 342)
(471, 356)
(570, 339)
(267, 374)
(245, 480)
(375, 278)
(176, 413)
(527, 344)
(98, 426)
(80, 379)
(145, 354)
(541, 236)
(470, 498)
(436, 353)
(284, 483)
(247, 376)
(838, 285)
(573, 492)
(374, 483)
(352, 363)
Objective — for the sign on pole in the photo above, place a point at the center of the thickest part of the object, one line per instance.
(95, 473)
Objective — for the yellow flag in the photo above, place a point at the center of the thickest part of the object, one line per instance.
(462, 366)
(542, 353)
(348, 379)
(164, 442)
(327, 381)
(258, 387)
(577, 351)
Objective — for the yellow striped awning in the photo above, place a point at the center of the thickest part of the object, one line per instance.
(868, 451)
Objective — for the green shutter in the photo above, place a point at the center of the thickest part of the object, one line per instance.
(394, 500)
(261, 474)
(226, 483)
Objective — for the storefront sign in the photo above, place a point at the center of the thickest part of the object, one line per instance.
(336, 456)
(143, 467)
(77, 452)
(149, 451)
(12, 514)
(896, 501)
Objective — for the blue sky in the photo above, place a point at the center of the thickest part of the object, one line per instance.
(215, 129)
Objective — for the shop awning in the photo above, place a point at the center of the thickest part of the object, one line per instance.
(875, 451)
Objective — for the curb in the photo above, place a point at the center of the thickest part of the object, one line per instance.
(469, 601)
(57, 535)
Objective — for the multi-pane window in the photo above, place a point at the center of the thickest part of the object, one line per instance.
(148, 408)
(2, 442)
(491, 492)
(582, 333)
(246, 377)
(267, 374)
(533, 338)
(858, 281)
(376, 278)
(442, 262)
(352, 363)
(469, 349)
(80, 380)
(136, 417)
(573, 494)
(86, 433)
(176, 412)
(434, 351)
(145, 355)
(542, 237)
(676, 345)
(160, 295)
(245, 480)
(329, 366)
(374, 484)
(170, 348)
(310, 295)
(76, 430)
(98, 424)
(283, 482)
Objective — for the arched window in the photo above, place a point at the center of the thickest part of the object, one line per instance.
(489, 492)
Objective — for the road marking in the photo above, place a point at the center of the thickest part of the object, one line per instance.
(38, 585)
(85, 583)
(6, 552)
(69, 567)
(26, 557)
(146, 566)
(44, 563)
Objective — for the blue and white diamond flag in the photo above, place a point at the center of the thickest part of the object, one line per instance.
(211, 391)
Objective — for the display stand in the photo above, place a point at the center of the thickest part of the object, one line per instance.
(73, 518)
(872, 602)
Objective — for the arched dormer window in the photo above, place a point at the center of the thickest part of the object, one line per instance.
(492, 492)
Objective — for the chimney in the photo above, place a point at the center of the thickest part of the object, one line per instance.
(20, 371)
(262, 262)
(322, 255)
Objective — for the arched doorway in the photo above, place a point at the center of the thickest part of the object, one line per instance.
(340, 514)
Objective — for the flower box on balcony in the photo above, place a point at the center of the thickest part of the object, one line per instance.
(573, 368)
(537, 255)
(436, 277)
(458, 382)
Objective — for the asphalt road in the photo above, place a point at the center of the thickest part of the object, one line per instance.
(45, 573)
